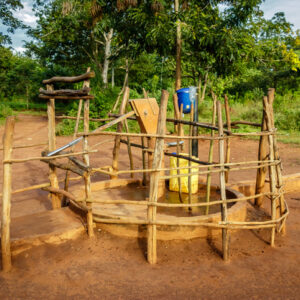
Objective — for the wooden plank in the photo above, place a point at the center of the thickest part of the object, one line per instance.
(154, 178)
(6, 198)
(147, 113)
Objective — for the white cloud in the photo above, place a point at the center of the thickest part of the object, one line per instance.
(291, 8)
(26, 14)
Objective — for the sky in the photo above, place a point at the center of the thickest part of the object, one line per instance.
(291, 8)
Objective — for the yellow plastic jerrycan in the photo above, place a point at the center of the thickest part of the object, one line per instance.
(173, 185)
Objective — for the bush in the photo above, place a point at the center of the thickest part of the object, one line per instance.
(5, 110)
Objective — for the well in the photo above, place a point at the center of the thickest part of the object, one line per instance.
(119, 190)
(116, 204)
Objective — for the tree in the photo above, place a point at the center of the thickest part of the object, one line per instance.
(6, 18)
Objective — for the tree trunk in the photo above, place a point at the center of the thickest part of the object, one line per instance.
(178, 49)
(107, 52)
(112, 77)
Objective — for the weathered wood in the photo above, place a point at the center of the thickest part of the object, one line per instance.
(66, 92)
(6, 198)
(56, 203)
(154, 178)
(190, 156)
(79, 163)
(116, 150)
(143, 161)
(81, 118)
(67, 177)
(281, 209)
(86, 160)
(272, 170)
(26, 146)
(176, 112)
(228, 122)
(73, 79)
(145, 93)
(210, 154)
(262, 155)
(225, 233)
(65, 166)
(178, 153)
(66, 97)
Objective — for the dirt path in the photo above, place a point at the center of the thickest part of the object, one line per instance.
(110, 267)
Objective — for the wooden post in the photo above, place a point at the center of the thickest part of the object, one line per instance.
(228, 121)
(178, 152)
(6, 194)
(225, 234)
(210, 155)
(86, 159)
(154, 178)
(144, 161)
(272, 169)
(281, 207)
(56, 203)
(116, 149)
(176, 112)
(190, 155)
(262, 155)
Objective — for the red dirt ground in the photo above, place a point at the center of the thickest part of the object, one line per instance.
(110, 267)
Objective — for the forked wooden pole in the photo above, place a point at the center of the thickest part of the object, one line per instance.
(154, 178)
(56, 203)
(87, 177)
(225, 233)
(144, 161)
(272, 169)
(116, 150)
(210, 155)
(6, 198)
(228, 122)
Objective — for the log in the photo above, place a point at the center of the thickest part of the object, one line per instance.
(6, 198)
(56, 203)
(65, 166)
(73, 79)
(225, 234)
(154, 179)
(66, 97)
(79, 163)
(66, 92)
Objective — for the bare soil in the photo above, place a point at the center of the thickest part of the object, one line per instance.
(110, 267)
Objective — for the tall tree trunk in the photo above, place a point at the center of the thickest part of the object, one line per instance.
(178, 48)
(107, 52)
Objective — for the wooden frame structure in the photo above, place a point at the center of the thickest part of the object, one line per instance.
(279, 209)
